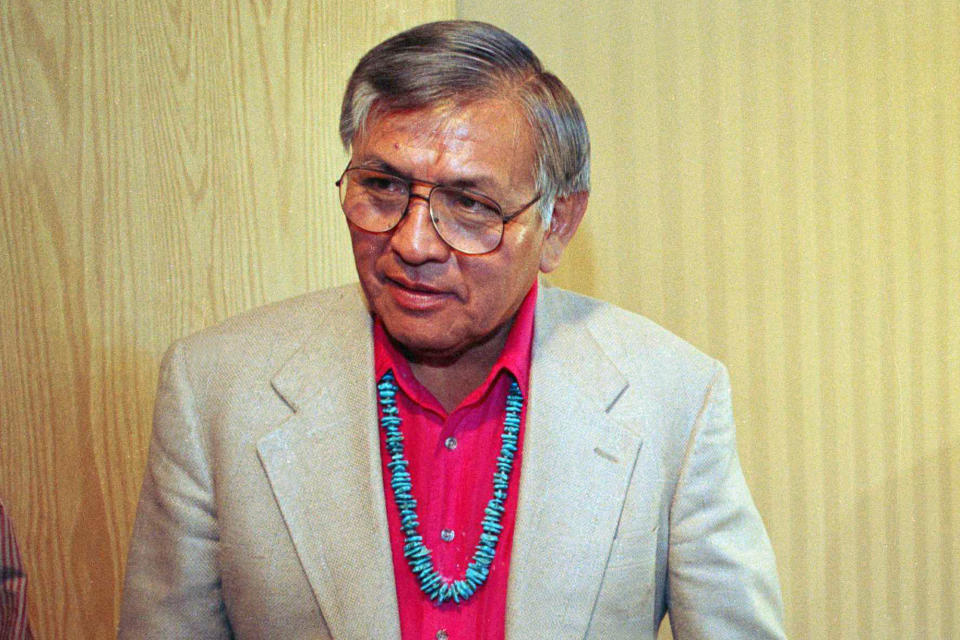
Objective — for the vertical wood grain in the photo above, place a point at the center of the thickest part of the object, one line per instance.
(164, 165)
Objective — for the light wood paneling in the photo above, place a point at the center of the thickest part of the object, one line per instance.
(780, 184)
(164, 165)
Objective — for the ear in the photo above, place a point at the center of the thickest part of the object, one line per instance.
(567, 214)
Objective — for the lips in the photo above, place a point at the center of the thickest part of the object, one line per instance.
(416, 296)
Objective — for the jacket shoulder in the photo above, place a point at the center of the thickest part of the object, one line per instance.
(668, 380)
(636, 344)
(265, 337)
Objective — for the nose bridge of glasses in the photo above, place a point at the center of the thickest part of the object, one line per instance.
(419, 196)
(416, 235)
(423, 194)
(420, 189)
(407, 211)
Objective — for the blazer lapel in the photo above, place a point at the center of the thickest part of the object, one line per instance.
(577, 463)
(323, 464)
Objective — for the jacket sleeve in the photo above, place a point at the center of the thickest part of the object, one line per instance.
(722, 578)
(172, 583)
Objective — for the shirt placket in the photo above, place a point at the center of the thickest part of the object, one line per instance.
(445, 516)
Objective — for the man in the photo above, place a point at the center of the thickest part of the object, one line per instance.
(451, 451)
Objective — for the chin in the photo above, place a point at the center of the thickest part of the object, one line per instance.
(419, 343)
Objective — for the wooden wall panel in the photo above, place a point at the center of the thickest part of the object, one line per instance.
(164, 165)
(779, 182)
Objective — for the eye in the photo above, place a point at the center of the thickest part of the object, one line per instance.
(463, 203)
(381, 184)
(466, 203)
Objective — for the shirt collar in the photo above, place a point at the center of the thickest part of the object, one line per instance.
(515, 358)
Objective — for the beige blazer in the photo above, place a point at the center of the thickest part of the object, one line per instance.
(262, 512)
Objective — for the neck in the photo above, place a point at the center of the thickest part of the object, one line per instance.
(448, 385)
(451, 378)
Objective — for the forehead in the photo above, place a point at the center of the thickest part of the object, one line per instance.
(482, 141)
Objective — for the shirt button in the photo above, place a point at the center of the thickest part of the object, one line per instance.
(446, 535)
(450, 443)
(442, 634)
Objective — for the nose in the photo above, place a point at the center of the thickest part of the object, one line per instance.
(414, 239)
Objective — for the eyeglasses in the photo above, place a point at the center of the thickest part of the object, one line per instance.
(469, 222)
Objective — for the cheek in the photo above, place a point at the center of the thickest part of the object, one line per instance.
(497, 285)
(365, 251)
(522, 254)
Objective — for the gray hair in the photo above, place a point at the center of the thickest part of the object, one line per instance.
(458, 62)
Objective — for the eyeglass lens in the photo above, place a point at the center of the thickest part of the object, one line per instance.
(376, 202)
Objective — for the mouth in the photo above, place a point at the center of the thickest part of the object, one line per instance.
(416, 296)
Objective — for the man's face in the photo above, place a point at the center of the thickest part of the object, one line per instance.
(434, 301)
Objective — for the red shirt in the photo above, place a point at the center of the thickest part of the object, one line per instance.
(452, 461)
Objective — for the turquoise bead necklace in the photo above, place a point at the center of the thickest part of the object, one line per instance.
(439, 588)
